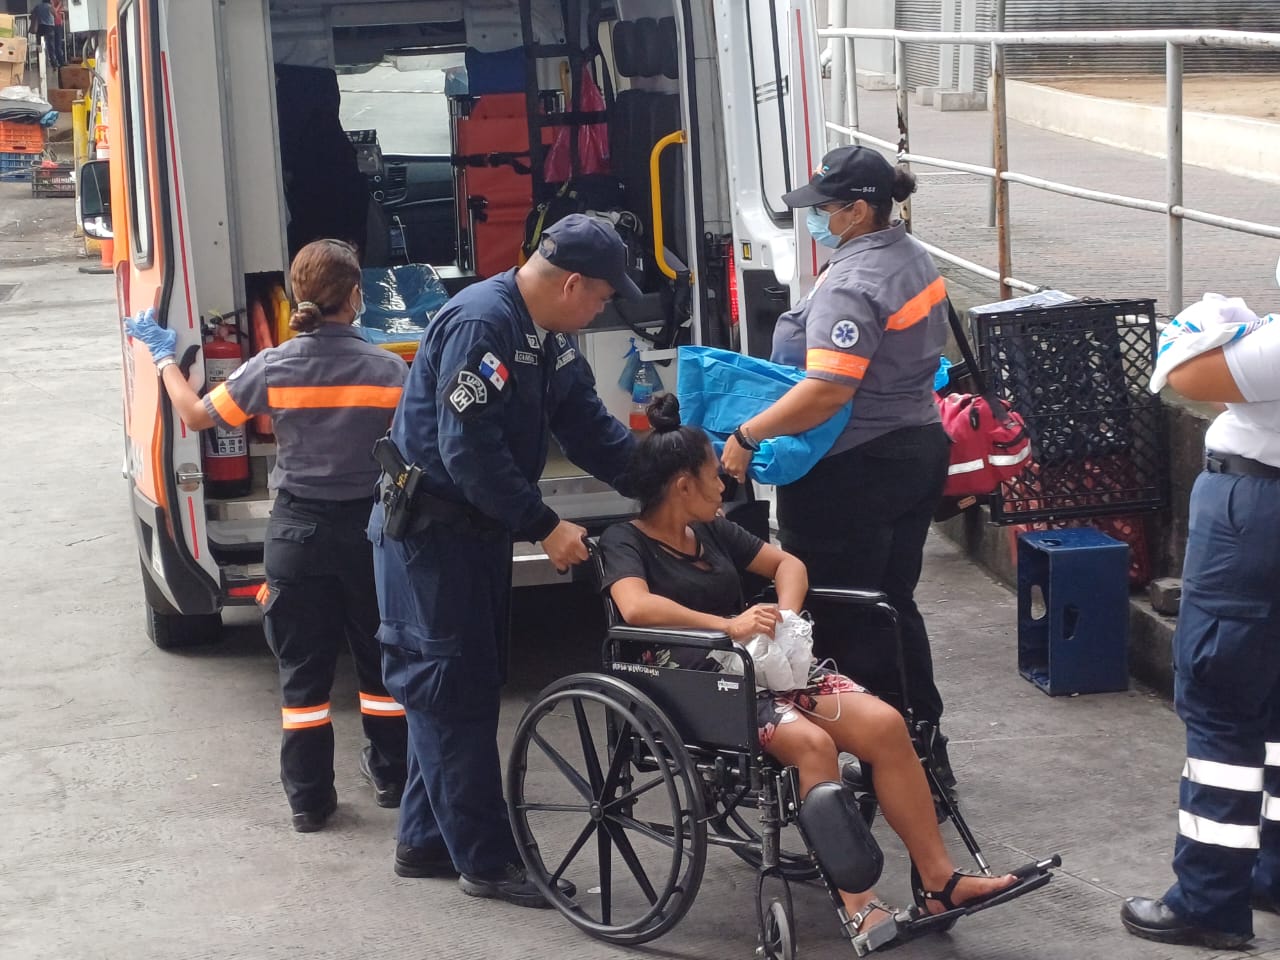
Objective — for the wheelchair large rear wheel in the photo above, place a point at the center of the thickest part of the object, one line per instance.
(602, 792)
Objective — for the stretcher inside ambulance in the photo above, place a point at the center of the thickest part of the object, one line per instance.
(439, 137)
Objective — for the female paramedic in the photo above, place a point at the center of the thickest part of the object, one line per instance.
(1226, 654)
(873, 327)
(679, 564)
(330, 396)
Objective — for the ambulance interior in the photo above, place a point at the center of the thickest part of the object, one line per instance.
(404, 128)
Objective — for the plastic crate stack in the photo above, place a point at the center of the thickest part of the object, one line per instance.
(1078, 374)
(21, 145)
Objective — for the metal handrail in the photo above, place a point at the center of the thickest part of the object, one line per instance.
(1172, 207)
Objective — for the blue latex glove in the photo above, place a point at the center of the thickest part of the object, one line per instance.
(161, 342)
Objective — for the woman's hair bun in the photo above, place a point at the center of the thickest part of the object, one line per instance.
(664, 413)
(904, 184)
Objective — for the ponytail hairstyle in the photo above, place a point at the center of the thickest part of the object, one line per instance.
(322, 275)
(904, 185)
(668, 451)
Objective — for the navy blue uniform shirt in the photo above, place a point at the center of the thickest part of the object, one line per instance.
(483, 397)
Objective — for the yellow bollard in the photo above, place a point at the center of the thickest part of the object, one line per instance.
(80, 131)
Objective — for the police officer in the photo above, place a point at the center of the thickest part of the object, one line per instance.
(330, 396)
(497, 374)
(1226, 653)
(872, 328)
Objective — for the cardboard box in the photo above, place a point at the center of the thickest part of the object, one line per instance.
(75, 77)
(13, 49)
(6, 25)
(61, 100)
(12, 74)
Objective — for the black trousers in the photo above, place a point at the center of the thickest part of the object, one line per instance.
(859, 519)
(320, 596)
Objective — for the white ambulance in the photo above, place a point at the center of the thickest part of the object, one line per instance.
(434, 132)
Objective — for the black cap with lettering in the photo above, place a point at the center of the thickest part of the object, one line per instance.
(589, 246)
(847, 174)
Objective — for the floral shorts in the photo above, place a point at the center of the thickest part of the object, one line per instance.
(774, 708)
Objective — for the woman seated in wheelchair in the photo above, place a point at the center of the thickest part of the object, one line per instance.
(679, 563)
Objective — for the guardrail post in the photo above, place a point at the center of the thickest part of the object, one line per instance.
(837, 14)
(1000, 160)
(904, 137)
(1173, 83)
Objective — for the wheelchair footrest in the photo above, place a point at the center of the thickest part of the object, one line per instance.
(1031, 877)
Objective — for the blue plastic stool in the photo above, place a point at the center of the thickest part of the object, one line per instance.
(1080, 644)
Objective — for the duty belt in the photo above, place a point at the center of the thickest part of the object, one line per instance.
(1239, 466)
(409, 509)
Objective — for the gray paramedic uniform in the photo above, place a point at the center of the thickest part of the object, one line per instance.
(330, 396)
(875, 321)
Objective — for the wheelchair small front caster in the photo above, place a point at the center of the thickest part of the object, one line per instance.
(777, 921)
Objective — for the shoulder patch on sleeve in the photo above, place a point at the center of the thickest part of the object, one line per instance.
(844, 334)
(235, 374)
(468, 394)
(493, 370)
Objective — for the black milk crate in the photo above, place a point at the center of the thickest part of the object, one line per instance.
(55, 180)
(1077, 373)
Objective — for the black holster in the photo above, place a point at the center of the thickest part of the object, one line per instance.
(407, 508)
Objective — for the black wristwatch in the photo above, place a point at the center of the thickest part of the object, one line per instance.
(746, 442)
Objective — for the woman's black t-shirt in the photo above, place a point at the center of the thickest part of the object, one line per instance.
(709, 581)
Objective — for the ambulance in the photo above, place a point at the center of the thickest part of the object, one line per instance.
(439, 136)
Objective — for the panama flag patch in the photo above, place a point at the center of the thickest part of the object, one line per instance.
(493, 370)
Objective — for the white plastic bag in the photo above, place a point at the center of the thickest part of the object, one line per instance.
(773, 669)
(794, 634)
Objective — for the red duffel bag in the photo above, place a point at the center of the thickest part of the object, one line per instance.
(989, 443)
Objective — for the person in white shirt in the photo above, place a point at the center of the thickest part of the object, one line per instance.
(1227, 660)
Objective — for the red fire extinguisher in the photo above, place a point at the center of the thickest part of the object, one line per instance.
(226, 451)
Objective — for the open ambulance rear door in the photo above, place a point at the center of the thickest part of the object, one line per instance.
(775, 137)
(162, 457)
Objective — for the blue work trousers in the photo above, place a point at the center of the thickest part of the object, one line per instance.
(1227, 692)
(444, 596)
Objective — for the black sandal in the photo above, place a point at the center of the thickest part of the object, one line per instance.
(1020, 886)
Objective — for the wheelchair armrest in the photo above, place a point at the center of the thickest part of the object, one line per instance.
(673, 636)
(856, 598)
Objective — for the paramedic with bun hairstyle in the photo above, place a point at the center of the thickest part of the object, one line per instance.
(330, 395)
(496, 375)
(872, 328)
(1226, 655)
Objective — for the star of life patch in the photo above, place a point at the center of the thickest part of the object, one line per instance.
(524, 356)
(493, 370)
(235, 374)
(468, 393)
(844, 334)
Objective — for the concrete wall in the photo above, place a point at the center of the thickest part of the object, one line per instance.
(1238, 145)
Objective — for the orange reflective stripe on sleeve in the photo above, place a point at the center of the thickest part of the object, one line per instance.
(376, 706)
(264, 592)
(918, 307)
(300, 718)
(833, 361)
(226, 407)
(350, 395)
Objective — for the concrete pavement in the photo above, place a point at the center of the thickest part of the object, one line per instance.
(141, 808)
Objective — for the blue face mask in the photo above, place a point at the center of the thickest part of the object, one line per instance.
(818, 223)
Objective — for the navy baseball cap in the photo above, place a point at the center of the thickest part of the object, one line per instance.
(846, 174)
(586, 245)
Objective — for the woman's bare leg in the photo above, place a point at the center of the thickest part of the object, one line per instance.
(873, 731)
(798, 743)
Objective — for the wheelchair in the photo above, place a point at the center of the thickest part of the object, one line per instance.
(619, 781)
